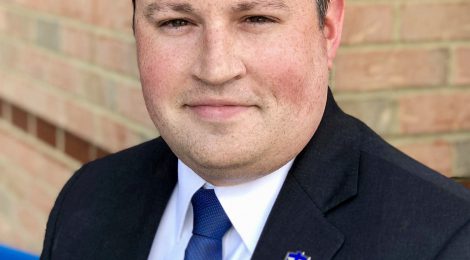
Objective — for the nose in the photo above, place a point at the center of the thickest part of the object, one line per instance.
(218, 62)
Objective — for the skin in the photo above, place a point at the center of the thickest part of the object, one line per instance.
(236, 88)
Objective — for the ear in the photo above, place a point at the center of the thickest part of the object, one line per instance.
(333, 28)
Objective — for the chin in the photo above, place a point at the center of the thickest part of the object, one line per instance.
(219, 160)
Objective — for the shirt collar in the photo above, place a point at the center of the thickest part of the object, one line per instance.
(247, 205)
(188, 183)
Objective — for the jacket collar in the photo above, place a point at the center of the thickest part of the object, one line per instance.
(323, 176)
(158, 171)
(327, 168)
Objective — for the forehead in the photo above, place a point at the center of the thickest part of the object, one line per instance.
(241, 4)
(233, 5)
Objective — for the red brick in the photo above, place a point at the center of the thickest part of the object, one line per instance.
(32, 186)
(77, 148)
(8, 232)
(462, 162)
(27, 213)
(462, 66)
(2, 111)
(44, 103)
(77, 42)
(101, 153)
(116, 54)
(29, 221)
(13, 178)
(58, 72)
(434, 113)
(36, 185)
(31, 62)
(115, 136)
(49, 6)
(5, 228)
(8, 55)
(82, 10)
(437, 155)
(51, 106)
(465, 183)
(28, 4)
(131, 104)
(99, 90)
(79, 119)
(435, 21)
(46, 132)
(114, 14)
(3, 20)
(62, 74)
(18, 26)
(19, 117)
(72, 115)
(384, 69)
(369, 23)
(377, 113)
(5, 195)
(12, 188)
(39, 167)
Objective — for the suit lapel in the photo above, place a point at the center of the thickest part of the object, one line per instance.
(142, 201)
(159, 191)
(296, 224)
(323, 176)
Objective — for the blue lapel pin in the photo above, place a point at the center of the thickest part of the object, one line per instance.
(299, 255)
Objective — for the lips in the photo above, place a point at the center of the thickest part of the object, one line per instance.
(218, 109)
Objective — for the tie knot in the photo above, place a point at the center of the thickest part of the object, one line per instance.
(210, 219)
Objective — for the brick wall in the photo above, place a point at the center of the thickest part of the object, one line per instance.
(69, 91)
(404, 68)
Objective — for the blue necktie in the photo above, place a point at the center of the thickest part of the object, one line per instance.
(210, 225)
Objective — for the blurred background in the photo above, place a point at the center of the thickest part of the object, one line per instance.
(70, 91)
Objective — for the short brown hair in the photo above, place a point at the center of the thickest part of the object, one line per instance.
(322, 7)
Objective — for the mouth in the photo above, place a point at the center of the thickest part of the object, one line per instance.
(217, 110)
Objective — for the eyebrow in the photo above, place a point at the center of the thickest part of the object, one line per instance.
(249, 5)
(150, 9)
(185, 7)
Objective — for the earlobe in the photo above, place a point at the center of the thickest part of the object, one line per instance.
(333, 28)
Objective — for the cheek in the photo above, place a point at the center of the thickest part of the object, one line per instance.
(296, 79)
(159, 72)
(289, 86)
(293, 69)
(300, 68)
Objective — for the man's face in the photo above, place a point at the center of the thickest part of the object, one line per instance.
(236, 88)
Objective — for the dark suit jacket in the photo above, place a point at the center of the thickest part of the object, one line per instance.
(349, 195)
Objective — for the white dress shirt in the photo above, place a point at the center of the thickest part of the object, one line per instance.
(247, 206)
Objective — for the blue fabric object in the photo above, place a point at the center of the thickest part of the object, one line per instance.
(7, 253)
(210, 225)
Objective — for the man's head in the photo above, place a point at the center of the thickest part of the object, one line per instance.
(236, 87)
(322, 7)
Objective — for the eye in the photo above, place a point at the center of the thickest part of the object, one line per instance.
(175, 23)
(259, 19)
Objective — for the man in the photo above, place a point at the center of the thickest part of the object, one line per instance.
(253, 144)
